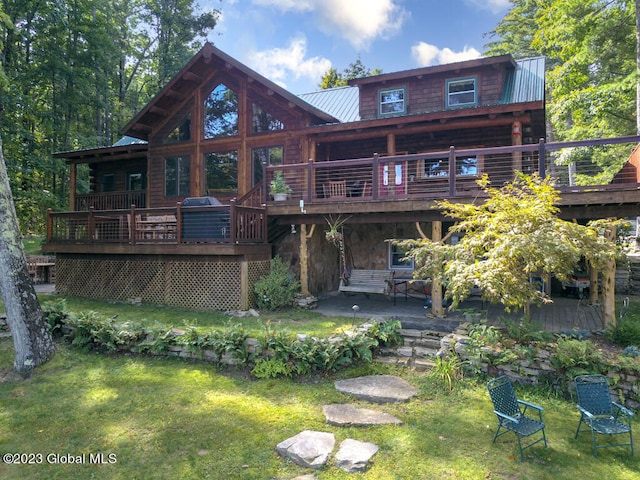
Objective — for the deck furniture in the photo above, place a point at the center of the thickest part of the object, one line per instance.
(512, 414)
(42, 268)
(599, 413)
(368, 281)
(337, 189)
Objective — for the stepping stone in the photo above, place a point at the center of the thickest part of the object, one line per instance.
(378, 388)
(348, 415)
(308, 449)
(353, 456)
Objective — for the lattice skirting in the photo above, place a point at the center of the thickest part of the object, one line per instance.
(191, 282)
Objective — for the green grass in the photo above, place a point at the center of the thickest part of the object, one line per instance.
(298, 321)
(169, 418)
(32, 245)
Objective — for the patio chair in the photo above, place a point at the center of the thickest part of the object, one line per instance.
(512, 416)
(602, 415)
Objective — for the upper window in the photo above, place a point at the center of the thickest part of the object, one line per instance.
(177, 176)
(263, 121)
(265, 155)
(221, 113)
(108, 182)
(221, 171)
(462, 92)
(392, 101)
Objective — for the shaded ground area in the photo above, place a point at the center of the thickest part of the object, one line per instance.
(565, 313)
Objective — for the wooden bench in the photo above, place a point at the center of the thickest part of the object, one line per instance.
(368, 281)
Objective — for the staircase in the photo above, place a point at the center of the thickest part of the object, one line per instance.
(421, 343)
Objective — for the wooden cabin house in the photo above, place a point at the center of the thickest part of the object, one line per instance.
(179, 211)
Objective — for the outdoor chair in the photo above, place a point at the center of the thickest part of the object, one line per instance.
(602, 415)
(511, 414)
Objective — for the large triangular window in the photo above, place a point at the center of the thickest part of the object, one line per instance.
(263, 121)
(221, 113)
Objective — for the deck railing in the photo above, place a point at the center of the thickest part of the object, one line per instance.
(232, 224)
(110, 200)
(573, 165)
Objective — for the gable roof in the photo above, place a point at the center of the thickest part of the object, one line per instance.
(192, 74)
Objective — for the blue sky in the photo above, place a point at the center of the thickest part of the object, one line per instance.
(294, 42)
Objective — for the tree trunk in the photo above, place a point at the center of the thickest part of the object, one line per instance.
(32, 339)
(638, 67)
(609, 284)
(437, 309)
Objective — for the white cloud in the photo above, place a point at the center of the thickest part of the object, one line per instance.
(358, 21)
(426, 54)
(278, 64)
(494, 6)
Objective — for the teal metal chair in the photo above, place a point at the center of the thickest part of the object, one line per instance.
(598, 412)
(512, 414)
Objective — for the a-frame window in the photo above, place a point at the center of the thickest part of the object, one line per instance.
(182, 132)
(221, 113)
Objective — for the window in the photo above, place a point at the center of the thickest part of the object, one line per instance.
(462, 92)
(221, 171)
(136, 181)
(440, 167)
(221, 113)
(268, 155)
(262, 121)
(392, 101)
(177, 176)
(182, 132)
(467, 166)
(108, 182)
(397, 260)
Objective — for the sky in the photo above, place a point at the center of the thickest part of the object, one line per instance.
(294, 42)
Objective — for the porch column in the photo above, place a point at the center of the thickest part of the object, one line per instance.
(72, 187)
(436, 283)
(516, 139)
(304, 260)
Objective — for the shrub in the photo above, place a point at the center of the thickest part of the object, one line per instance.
(271, 368)
(526, 331)
(278, 288)
(631, 351)
(576, 356)
(626, 332)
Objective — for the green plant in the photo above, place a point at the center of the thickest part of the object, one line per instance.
(576, 356)
(278, 184)
(631, 351)
(526, 331)
(278, 288)
(447, 369)
(484, 334)
(271, 368)
(626, 331)
(55, 313)
(387, 333)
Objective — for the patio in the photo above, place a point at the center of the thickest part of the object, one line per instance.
(565, 313)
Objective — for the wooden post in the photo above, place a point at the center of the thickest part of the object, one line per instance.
(72, 187)
(436, 283)
(516, 139)
(304, 260)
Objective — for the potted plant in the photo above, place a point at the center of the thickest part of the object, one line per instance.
(278, 187)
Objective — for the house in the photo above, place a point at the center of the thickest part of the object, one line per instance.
(179, 211)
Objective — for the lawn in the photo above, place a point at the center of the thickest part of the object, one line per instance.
(156, 418)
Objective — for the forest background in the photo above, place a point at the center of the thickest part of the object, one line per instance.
(75, 72)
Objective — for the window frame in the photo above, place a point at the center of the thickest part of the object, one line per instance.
(393, 253)
(205, 163)
(384, 91)
(452, 81)
(182, 161)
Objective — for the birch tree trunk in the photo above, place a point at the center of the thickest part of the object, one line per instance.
(32, 339)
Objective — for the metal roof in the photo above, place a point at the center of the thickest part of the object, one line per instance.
(526, 82)
(342, 103)
(523, 84)
(127, 140)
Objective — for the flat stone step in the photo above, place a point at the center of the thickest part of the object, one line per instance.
(347, 415)
(378, 388)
